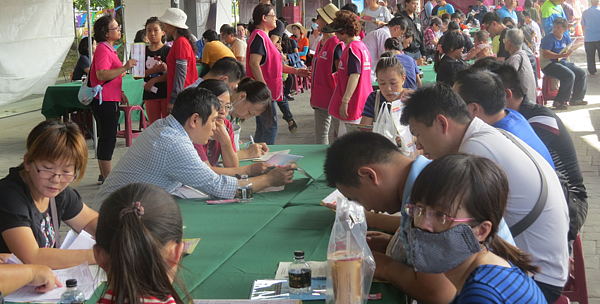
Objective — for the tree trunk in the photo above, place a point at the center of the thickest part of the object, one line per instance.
(120, 17)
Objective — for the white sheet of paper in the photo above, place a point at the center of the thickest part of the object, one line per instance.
(85, 283)
(12, 259)
(189, 193)
(284, 159)
(318, 270)
(332, 198)
(138, 52)
(83, 241)
(272, 189)
(268, 155)
(69, 239)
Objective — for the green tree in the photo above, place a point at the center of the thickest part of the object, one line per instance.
(100, 4)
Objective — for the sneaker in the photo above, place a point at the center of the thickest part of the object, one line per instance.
(559, 106)
(100, 179)
(578, 103)
(289, 97)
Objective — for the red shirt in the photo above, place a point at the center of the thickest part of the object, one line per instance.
(105, 58)
(107, 299)
(212, 150)
(181, 49)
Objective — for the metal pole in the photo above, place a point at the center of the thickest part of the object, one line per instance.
(89, 26)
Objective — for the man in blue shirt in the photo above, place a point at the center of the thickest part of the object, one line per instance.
(480, 10)
(369, 169)
(164, 154)
(573, 79)
(485, 96)
(442, 8)
(508, 10)
(591, 28)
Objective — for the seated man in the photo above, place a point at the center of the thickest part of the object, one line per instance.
(164, 154)
(573, 79)
(226, 69)
(214, 49)
(236, 45)
(555, 136)
(440, 120)
(369, 169)
(486, 99)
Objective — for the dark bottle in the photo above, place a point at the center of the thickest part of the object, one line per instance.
(299, 275)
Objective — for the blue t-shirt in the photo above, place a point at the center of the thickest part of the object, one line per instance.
(499, 284)
(549, 42)
(369, 109)
(591, 21)
(504, 12)
(448, 8)
(411, 70)
(516, 124)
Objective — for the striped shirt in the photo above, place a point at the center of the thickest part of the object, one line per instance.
(499, 284)
(107, 299)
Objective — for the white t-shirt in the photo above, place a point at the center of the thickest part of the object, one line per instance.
(520, 61)
(546, 238)
(238, 47)
(381, 14)
(375, 42)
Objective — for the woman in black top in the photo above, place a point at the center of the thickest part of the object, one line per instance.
(452, 62)
(83, 63)
(29, 220)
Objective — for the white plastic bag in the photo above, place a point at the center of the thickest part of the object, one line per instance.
(384, 124)
(407, 141)
(351, 265)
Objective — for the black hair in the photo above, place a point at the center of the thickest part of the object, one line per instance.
(429, 101)
(262, 9)
(227, 30)
(455, 15)
(562, 21)
(410, 33)
(210, 35)
(480, 187)
(507, 20)
(398, 20)
(482, 35)
(216, 86)
(452, 41)
(257, 93)
(162, 26)
(230, 67)
(393, 44)
(134, 237)
(528, 4)
(453, 26)
(287, 46)
(83, 47)
(482, 87)
(350, 152)
(188, 35)
(526, 14)
(389, 60)
(510, 79)
(101, 27)
(486, 63)
(490, 17)
(139, 36)
(195, 100)
(350, 7)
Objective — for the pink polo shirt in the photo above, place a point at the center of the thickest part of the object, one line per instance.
(105, 58)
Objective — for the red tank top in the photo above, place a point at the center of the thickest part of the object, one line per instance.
(323, 81)
(272, 68)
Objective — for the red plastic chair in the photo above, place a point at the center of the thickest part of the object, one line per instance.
(547, 92)
(562, 300)
(538, 69)
(576, 287)
(539, 98)
(128, 133)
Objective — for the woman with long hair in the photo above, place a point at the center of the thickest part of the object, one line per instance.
(181, 61)
(264, 64)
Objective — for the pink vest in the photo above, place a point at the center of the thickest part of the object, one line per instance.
(323, 81)
(271, 69)
(364, 87)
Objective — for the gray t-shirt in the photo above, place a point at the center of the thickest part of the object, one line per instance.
(380, 14)
(520, 61)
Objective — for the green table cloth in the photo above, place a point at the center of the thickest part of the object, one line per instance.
(314, 193)
(428, 75)
(61, 99)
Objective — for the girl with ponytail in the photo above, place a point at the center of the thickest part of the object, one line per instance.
(138, 244)
(457, 203)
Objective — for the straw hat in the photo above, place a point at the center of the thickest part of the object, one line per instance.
(302, 29)
(174, 17)
(328, 12)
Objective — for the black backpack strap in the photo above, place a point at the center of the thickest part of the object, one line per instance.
(533, 215)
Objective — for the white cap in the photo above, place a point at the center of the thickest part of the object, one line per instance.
(174, 17)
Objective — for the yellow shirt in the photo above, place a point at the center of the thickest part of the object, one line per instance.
(214, 51)
(496, 44)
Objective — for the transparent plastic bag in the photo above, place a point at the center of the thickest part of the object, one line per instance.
(351, 265)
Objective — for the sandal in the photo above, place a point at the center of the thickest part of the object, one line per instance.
(293, 127)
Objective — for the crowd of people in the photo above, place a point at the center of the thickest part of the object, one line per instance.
(496, 182)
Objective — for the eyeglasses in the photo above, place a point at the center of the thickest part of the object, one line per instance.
(226, 106)
(118, 28)
(439, 218)
(271, 16)
(64, 178)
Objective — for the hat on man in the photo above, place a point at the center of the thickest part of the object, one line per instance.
(298, 25)
(174, 17)
(437, 21)
(278, 30)
(327, 13)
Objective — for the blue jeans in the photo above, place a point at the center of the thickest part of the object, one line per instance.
(284, 107)
(266, 127)
(572, 79)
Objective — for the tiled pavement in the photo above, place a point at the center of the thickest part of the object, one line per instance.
(17, 119)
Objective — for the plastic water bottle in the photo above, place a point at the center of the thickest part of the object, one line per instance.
(299, 275)
(72, 294)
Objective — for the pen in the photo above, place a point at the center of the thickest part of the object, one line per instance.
(251, 139)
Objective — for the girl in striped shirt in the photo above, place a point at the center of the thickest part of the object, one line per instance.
(138, 244)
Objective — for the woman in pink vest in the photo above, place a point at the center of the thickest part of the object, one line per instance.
(263, 62)
(353, 76)
(324, 65)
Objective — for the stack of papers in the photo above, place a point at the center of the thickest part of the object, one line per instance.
(189, 193)
(268, 155)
